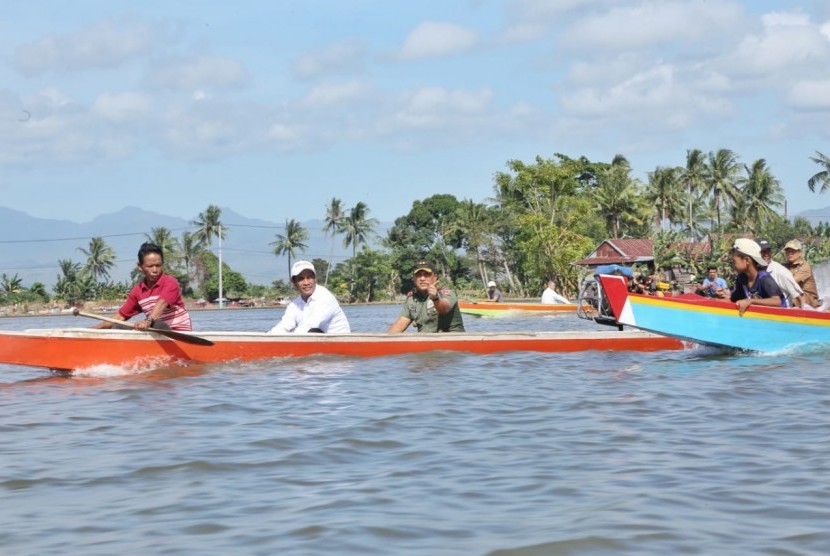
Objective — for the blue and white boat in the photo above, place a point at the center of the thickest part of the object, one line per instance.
(693, 318)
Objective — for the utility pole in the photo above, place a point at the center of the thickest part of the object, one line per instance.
(221, 293)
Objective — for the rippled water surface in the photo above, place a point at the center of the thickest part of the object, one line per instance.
(693, 452)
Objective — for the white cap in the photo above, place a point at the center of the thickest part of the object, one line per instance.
(750, 248)
(300, 266)
(491, 284)
(794, 244)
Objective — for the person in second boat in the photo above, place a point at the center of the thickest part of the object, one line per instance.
(782, 276)
(493, 293)
(754, 285)
(550, 297)
(802, 271)
(314, 310)
(712, 283)
(430, 307)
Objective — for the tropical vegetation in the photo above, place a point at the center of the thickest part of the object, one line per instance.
(540, 217)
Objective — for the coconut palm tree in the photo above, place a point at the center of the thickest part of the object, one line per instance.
(165, 239)
(721, 174)
(663, 190)
(693, 177)
(761, 194)
(10, 285)
(823, 177)
(190, 250)
(358, 228)
(335, 216)
(100, 259)
(616, 195)
(209, 225)
(290, 242)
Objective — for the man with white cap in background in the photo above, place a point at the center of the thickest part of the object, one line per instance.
(802, 271)
(314, 310)
(782, 276)
(493, 293)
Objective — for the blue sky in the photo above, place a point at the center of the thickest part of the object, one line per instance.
(273, 108)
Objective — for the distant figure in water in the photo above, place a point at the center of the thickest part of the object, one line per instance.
(493, 293)
(158, 296)
(550, 297)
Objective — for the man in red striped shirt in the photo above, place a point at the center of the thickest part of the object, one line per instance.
(158, 295)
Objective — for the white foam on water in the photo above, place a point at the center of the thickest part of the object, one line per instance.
(143, 365)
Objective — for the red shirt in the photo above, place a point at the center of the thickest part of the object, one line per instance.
(142, 298)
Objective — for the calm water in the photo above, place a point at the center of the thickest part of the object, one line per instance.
(693, 452)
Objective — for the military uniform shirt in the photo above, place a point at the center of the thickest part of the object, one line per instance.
(421, 310)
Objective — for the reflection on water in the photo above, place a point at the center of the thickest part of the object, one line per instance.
(700, 451)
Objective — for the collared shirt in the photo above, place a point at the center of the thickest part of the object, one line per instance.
(321, 310)
(421, 310)
(550, 297)
(785, 281)
(712, 285)
(143, 298)
(803, 274)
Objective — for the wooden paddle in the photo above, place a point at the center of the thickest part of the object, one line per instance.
(175, 335)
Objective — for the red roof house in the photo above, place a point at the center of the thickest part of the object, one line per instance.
(621, 251)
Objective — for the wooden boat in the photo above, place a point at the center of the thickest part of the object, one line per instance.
(714, 322)
(493, 309)
(78, 348)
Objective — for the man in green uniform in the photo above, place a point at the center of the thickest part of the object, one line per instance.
(430, 307)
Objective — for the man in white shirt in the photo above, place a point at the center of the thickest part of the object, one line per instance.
(782, 276)
(314, 310)
(550, 296)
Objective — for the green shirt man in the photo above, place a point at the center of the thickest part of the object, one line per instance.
(431, 308)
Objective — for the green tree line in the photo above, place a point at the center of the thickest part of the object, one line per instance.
(541, 217)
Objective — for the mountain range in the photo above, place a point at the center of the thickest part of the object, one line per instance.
(31, 247)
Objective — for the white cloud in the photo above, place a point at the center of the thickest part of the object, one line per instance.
(788, 43)
(432, 39)
(338, 59)
(810, 95)
(335, 94)
(122, 107)
(217, 72)
(651, 23)
(106, 44)
(656, 96)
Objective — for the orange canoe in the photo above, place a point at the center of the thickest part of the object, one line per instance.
(78, 348)
(493, 309)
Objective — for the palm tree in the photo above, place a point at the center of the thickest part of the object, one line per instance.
(721, 173)
(358, 227)
(761, 193)
(165, 239)
(208, 226)
(663, 190)
(616, 196)
(190, 249)
(291, 241)
(693, 177)
(333, 224)
(822, 177)
(10, 285)
(100, 259)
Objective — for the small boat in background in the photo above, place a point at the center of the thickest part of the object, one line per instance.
(713, 322)
(80, 348)
(494, 309)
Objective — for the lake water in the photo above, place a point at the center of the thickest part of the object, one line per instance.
(692, 452)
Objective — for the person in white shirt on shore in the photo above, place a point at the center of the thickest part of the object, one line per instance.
(550, 297)
(314, 310)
